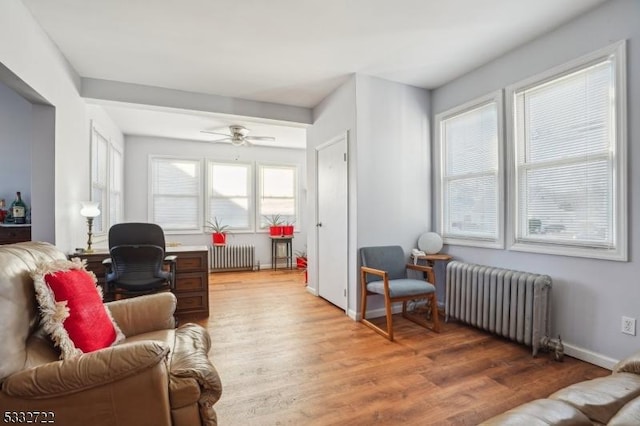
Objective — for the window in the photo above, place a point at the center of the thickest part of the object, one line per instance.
(230, 195)
(569, 194)
(470, 186)
(115, 187)
(99, 167)
(277, 191)
(106, 180)
(176, 201)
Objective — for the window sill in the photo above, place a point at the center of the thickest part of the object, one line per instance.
(563, 250)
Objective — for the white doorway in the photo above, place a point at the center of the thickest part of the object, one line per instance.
(332, 218)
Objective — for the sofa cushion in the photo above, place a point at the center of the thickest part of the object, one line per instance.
(72, 310)
(630, 364)
(600, 399)
(628, 415)
(540, 412)
(18, 308)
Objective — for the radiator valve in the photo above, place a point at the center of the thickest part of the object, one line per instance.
(553, 346)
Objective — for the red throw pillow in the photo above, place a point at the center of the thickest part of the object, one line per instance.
(72, 309)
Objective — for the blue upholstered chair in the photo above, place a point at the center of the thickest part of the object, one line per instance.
(384, 272)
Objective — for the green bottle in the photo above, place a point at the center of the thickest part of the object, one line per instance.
(19, 210)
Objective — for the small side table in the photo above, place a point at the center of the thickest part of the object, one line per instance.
(438, 262)
(287, 240)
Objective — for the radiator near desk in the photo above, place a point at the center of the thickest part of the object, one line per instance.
(232, 258)
(509, 303)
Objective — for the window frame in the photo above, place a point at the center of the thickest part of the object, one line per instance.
(198, 228)
(118, 191)
(104, 220)
(619, 252)
(258, 193)
(440, 154)
(251, 197)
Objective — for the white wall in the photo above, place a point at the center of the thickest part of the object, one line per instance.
(29, 54)
(389, 166)
(334, 116)
(589, 295)
(136, 155)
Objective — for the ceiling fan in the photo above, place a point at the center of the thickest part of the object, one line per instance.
(239, 135)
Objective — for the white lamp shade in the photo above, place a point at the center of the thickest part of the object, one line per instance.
(90, 209)
(430, 242)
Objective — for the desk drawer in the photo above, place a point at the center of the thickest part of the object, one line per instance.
(187, 262)
(191, 281)
(192, 302)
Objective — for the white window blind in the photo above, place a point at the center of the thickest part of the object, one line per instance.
(568, 188)
(470, 144)
(230, 194)
(277, 193)
(176, 193)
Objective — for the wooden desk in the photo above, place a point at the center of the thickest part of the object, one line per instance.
(192, 276)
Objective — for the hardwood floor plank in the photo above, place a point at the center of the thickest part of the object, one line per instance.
(288, 357)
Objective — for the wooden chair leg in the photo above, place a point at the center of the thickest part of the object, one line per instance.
(435, 318)
(363, 288)
(387, 306)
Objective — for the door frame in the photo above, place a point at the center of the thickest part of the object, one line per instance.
(343, 135)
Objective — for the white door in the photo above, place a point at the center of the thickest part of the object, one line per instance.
(332, 221)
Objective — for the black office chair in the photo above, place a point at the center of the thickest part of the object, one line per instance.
(137, 263)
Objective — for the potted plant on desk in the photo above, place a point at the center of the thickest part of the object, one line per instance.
(219, 233)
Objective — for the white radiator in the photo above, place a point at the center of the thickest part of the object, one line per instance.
(232, 258)
(509, 303)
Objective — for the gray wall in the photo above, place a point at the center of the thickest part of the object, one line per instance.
(589, 295)
(15, 143)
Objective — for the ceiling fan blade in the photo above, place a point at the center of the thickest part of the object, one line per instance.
(215, 133)
(260, 138)
(221, 140)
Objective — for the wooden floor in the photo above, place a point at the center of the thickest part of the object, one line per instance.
(288, 357)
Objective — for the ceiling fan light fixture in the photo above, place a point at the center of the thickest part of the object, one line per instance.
(237, 141)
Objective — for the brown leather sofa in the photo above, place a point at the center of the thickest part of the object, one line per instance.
(610, 400)
(159, 375)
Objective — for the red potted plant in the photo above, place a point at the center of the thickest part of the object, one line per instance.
(287, 228)
(219, 234)
(275, 225)
(301, 262)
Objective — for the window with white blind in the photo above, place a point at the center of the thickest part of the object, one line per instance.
(569, 192)
(230, 195)
(176, 193)
(100, 178)
(277, 189)
(115, 187)
(470, 189)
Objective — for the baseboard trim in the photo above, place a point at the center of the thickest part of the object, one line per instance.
(571, 350)
(375, 313)
(589, 356)
(312, 291)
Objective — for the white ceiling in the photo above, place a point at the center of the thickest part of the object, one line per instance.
(292, 52)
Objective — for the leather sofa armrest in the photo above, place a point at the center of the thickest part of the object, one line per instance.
(630, 364)
(143, 314)
(88, 371)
